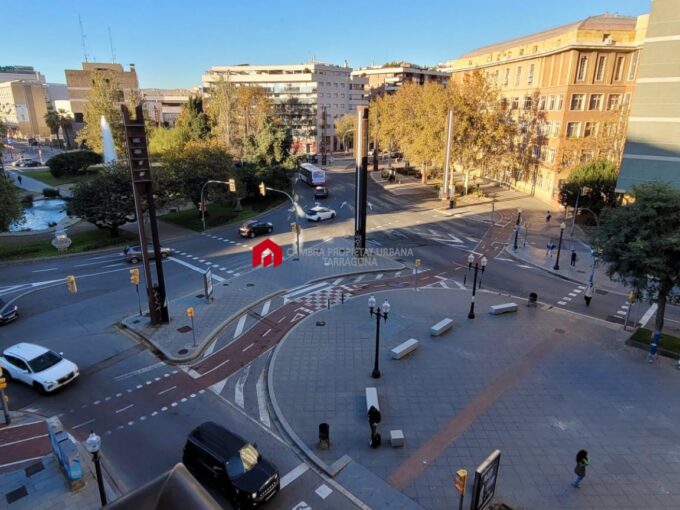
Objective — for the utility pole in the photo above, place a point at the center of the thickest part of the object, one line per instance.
(361, 182)
(323, 135)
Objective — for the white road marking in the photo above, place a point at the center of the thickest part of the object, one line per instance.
(210, 348)
(359, 278)
(166, 390)
(337, 282)
(261, 401)
(472, 239)
(573, 294)
(524, 266)
(219, 386)
(241, 324)
(379, 276)
(238, 392)
(323, 491)
(504, 259)
(197, 269)
(297, 316)
(124, 408)
(648, 314)
(44, 270)
(398, 273)
(87, 264)
(109, 256)
(565, 298)
(293, 475)
(267, 332)
(246, 348)
(138, 371)
(265, 307)
(443, 284)
(115, 265)
(620, 312)
(19, 461)
(562, 303)
(33, 437)
(304, 289)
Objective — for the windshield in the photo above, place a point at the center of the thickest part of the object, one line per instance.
(44, 361)
(243, 462)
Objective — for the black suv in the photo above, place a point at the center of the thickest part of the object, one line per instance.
(214, 454)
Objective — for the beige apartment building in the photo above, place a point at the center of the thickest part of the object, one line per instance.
(582, 75)
(163, 106)
(79, 83)
(23, 105)
(389, 78)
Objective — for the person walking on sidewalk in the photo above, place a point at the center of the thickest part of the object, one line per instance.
(373, 419)
(573, 258)
(588, 294)
(580, 469)
(549, 248)
(547, 216)
(19, 178)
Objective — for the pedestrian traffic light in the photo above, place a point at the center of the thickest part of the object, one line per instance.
(71, 284)
(232, 185)
(134, 276)
(417, 262)
(263, 189)
(461, 480)
(632, 296)
(190, 311)
(3, 383)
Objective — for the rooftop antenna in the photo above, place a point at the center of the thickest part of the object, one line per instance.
(82, 37)
(113, 52)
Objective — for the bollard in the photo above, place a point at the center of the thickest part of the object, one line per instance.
(329, 303)
(324, 436)
(342, 298)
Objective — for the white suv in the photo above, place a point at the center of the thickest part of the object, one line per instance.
(37, 366)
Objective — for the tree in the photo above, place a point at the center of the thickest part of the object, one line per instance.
(193, 120)
(53, 121)
(221, 110)
(66, 123)
(106, 200)
(344, 129)
(641, 242)
(599, 180)
(163, 140)
(11, 209)
(270, 145)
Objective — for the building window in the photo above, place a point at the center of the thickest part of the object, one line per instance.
(78, 117)
(618, 70)
(527, 102)
(541, 103)
(577, 102)
(506, 80)
(573, 129)
(560, 102)
(550, 156)
(587, 156)
(515, 103)
(551, 103)
(582, 68)
(555, 129)
(518, 75)
(626, 99)
(599, 69)
(495, 77)
(614, 102)
(596, 101)
(590, 129)
(504, 103)
(633, 66)
(530, 75)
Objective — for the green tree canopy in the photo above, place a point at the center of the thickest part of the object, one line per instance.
(192, 124)
(53, 121)
(641, 242)
(270, 145)
(11, 209)
(597, 182)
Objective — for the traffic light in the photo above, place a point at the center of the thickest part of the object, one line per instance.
(190, 311)
(134, 276)
(632, 296)
(417, 262)
(461, 480)
(232, 185)
(71, 284)
(3, 381)
(263, 189)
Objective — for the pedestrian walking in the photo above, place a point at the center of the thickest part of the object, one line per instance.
(19, 178)
(549, 248)
(547, 216)
(588, 294)
(373, 419)
(580, 469)
(573, 258)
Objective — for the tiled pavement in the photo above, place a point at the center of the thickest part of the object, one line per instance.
(539, 385)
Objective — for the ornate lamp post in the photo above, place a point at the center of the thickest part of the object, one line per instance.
(483, 261)
(378, 313)
(519, 218)
(93, 444)
(556, 267)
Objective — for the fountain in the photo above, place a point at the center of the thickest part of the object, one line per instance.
(107, 142)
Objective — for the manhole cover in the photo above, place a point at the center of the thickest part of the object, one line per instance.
(397, 284)
(182, 351)
(184, 329)
(250, 285)
(560, 331)
(34, 468)
(16, 494)
(200, 296)
(320, 323)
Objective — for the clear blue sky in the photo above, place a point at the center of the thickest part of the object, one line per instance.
(173, 42)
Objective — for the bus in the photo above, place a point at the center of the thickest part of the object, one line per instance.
(312, 175)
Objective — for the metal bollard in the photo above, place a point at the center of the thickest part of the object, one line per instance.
(342, 298)
(329, 303)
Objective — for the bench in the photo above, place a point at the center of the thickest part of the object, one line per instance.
(405, 348)
(441, 327)
(504, 308)
(396, 438)
(372, 398)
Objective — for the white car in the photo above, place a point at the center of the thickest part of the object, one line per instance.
(37, 366)
(319, 213)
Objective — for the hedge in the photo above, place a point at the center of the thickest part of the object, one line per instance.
(72, 162)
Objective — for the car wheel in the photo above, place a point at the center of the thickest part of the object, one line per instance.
(134, 260)
(332, 215)
(270, 230)
(252, 234)
(40, 388)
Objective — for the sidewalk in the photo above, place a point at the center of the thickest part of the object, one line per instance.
(235, 296)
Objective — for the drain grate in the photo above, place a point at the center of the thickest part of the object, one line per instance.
(34, 468)
(250, 285)
(16, 494)
(320, 323)
(184, 329)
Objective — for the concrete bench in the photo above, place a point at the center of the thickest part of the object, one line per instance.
(396, 438)
(441, 327)
(372, 398)
(405, 348)
(504, 308)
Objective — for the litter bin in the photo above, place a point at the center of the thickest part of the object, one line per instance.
(533, 299)
(452, 203)
(324, 436)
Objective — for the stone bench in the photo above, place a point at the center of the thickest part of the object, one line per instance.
(441, 327)
(396, 438)
(372, 398)
(504, 308)
(405, 348)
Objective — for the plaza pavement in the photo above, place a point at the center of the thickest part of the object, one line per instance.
(539, 385)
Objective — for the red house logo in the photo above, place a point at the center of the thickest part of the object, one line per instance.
(267, 253)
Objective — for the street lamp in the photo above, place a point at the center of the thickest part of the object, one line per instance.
(519, 218)
(556, 267)
(483, 261)
(378, 313)
(93, 443)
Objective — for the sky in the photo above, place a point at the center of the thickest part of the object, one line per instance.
(173, 42)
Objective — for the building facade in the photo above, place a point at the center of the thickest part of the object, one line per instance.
(28, 73)
(652, 151)
(301, 94)
(23, 105)
(578, 81)
(389, 78)
(79, 83)
(163, 106)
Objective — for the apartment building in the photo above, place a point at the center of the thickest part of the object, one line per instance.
(652, 151)
(163, 106)
(79, 83)
(583, 77)
(390, 77)
(23, 105)
(301, 94)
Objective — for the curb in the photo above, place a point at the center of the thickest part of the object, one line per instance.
(510, 252)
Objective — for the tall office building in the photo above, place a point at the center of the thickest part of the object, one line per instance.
(652, 151)
(23, 105)
(301, 93)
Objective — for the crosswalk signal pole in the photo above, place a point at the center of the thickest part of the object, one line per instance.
(416, 273)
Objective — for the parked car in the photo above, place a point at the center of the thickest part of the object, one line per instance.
(37, 366)
(255, 228)
(215, 454)
(26, 162)
(8, 313)
(318, 213)
(32, 142)
(321, 192)
(133, 254)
